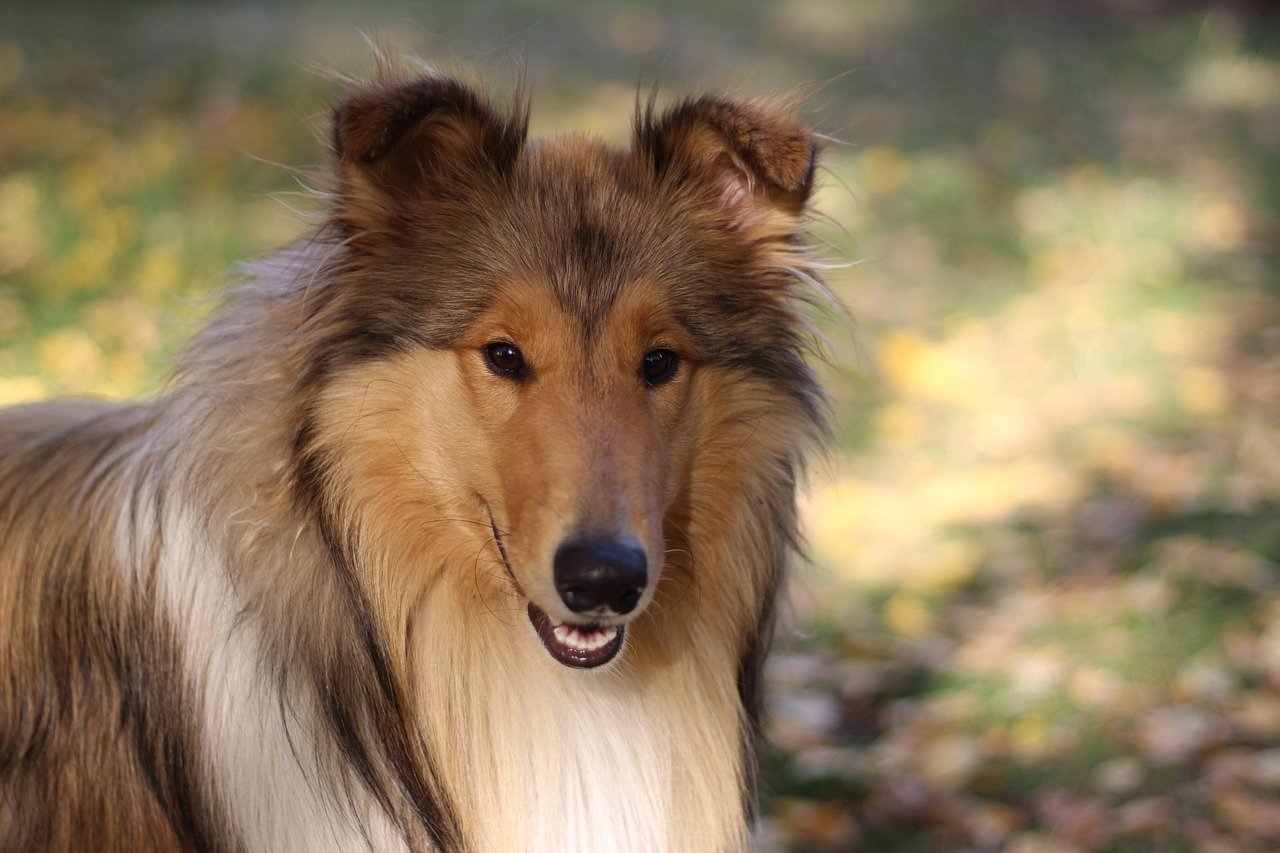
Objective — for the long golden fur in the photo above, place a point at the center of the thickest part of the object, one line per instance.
(291, 604)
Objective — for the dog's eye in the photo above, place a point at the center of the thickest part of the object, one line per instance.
(505, 360)
(659, 366)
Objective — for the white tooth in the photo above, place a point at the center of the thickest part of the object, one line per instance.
(584, 640)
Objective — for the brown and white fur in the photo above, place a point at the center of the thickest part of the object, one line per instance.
(287, 605)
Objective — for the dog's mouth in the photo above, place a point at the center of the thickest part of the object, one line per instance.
(579, 646)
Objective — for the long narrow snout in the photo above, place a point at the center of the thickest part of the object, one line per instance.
(581, 474)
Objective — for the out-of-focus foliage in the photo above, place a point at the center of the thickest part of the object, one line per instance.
(1044, 610)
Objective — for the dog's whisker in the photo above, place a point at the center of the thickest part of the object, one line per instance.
(495, 612)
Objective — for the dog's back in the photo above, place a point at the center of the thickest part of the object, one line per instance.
(89, 678)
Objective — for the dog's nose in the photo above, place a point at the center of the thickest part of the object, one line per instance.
(603, 572)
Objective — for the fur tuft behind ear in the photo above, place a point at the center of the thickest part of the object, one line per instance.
(753, 153)
(401, 140)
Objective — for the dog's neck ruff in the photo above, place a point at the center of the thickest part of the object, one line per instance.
(550, 758)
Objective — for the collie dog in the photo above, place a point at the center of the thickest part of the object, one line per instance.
(460, 526)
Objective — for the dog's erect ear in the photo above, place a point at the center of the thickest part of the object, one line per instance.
(757, 158)
(402, 140)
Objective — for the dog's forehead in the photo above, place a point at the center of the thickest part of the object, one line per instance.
(593, 226)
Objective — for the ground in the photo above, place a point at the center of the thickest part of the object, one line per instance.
(1042, 610)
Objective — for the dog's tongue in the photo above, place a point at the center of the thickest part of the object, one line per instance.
(580, 646)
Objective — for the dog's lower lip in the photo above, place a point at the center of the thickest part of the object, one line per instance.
(579, 646)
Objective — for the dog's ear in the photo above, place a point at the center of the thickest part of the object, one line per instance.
(756, 159)
(400, 141)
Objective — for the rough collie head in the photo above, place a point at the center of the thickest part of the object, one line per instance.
(547, 377)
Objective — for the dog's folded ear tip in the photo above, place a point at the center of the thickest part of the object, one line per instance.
(372, 118)
(762, 150)
(399, 138)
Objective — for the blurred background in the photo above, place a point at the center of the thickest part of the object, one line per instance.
(1043, 607)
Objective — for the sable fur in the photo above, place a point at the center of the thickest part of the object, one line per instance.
(282, 606)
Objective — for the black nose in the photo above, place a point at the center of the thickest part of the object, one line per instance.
(605, 572)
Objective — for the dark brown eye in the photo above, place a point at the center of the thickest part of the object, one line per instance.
(659, 366)
(505, 360)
